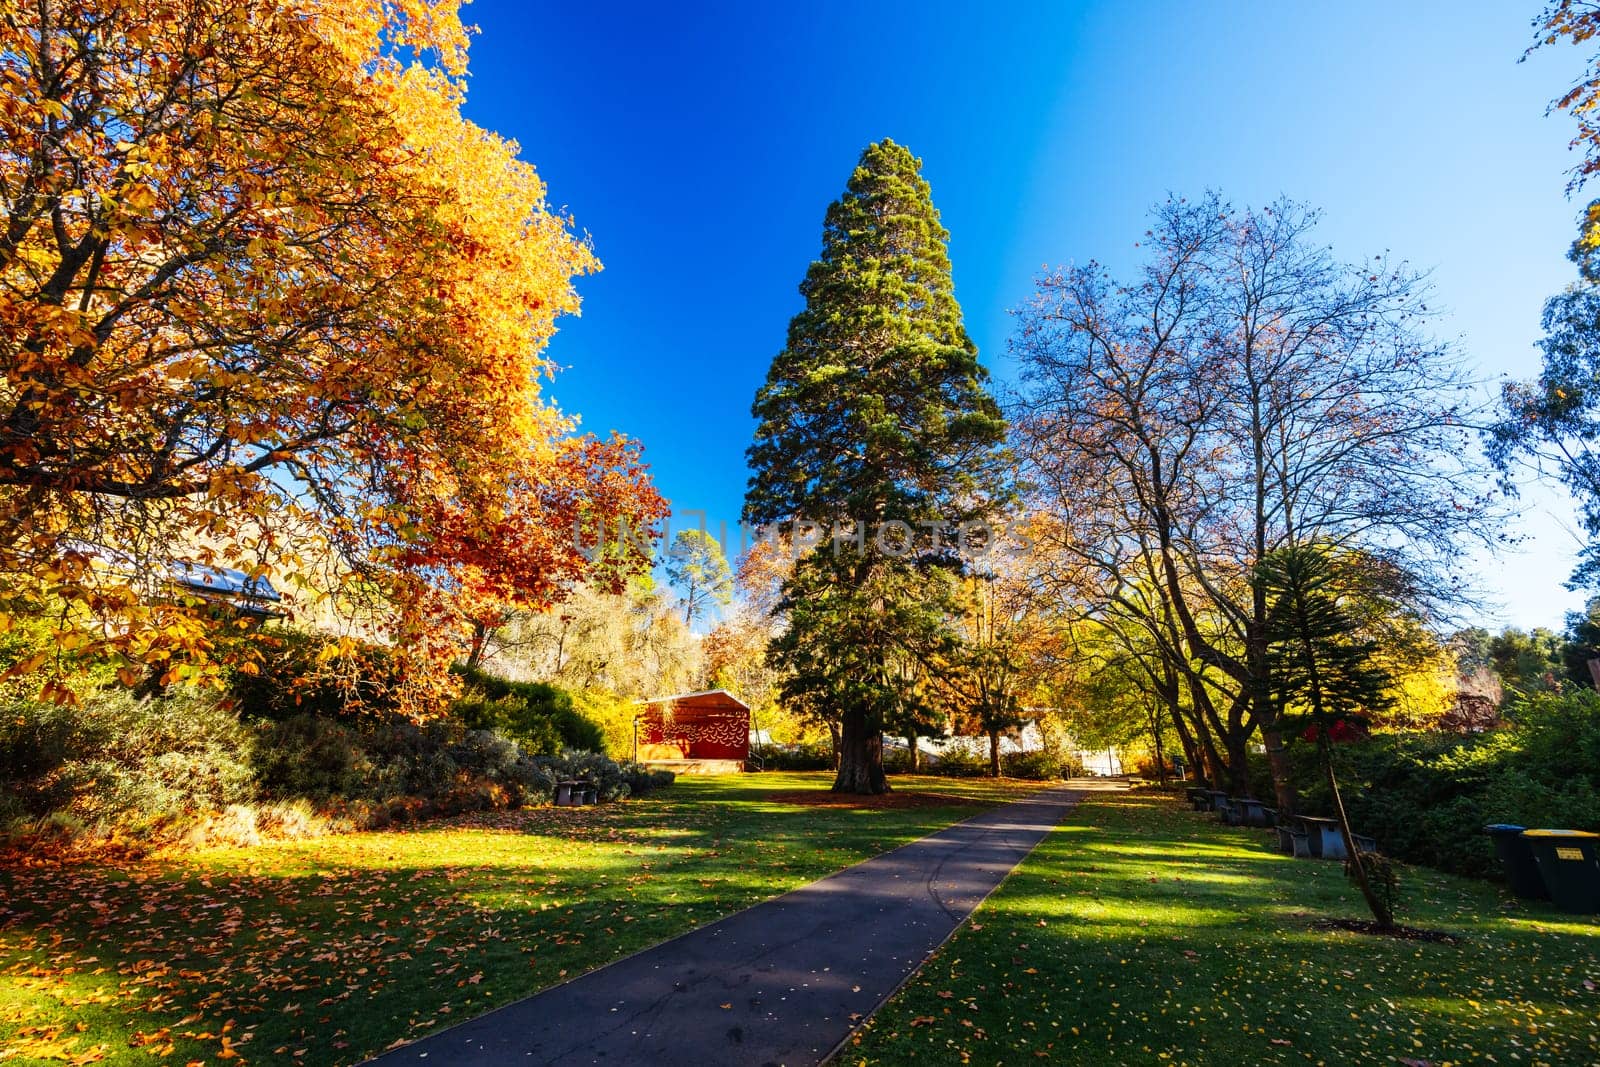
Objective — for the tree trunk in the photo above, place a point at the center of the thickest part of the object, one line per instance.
(833, 742)
(1191, 751)
(994, 753)
(860, 756)
(916, 754)
(1358, 868)
(1282, 782)
(480, 637)
(1155, 732)
(1238, 769)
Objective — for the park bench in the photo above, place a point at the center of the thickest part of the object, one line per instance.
(1199, 799)
(1246, 811)
(1251, 812)
(575, 792)
(1310, 837)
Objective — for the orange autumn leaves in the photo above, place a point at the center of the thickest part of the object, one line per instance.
(268, 301)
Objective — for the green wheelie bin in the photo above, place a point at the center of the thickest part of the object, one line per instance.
(1569, 863)
(1516, 856)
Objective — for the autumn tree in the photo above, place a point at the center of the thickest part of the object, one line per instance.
(1246, 391)
(1007, 641)
(696, 565)
(874, 422)
(631, 643)
(1549, 424)
(266, 288)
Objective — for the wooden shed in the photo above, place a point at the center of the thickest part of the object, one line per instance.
(694, 733)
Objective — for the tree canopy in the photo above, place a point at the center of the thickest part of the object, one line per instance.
(875, 420)
(270, 302)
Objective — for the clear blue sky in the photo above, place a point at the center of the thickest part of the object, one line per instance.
(700, 144)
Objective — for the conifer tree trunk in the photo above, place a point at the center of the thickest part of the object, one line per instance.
(860, 756)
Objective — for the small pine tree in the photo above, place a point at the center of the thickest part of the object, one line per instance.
(1322, 673)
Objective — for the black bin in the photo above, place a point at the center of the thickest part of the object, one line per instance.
(1516, 856)
(1569, 862)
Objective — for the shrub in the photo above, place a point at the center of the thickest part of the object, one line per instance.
(313, 758)
(539, 716)
(1038, 765)
(118, 761)
(610, 781)
(1427, 797)
(450, 766)
(798, 757)
(642, 779)
(612, 713)
(960, 761)
(183, 767)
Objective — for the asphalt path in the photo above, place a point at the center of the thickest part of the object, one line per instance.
(784, 982)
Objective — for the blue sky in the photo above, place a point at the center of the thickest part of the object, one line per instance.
(700, 145)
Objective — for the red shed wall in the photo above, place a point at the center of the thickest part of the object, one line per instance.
(695, 728)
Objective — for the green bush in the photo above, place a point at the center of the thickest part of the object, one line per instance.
(318, 759)
(612, 780)
(1038, 765)
(959, 761)
(540, 717)
(612, 713)
(1427, 797)
(642, 779)
(800, 757)
(125, 762)
(186, 767)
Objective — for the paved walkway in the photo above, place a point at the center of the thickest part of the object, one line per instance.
(783, 982)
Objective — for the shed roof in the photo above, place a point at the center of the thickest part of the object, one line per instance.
(676, 697)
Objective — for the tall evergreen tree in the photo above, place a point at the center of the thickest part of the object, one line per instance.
(876, 412)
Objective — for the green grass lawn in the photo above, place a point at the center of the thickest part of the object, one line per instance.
(326, 950)
(1141, 932)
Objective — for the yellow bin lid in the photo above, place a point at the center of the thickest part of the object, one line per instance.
(1582, 834)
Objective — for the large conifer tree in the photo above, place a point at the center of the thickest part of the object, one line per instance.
(876, 411)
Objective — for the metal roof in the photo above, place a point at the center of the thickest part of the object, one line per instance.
(221, 580)
(688, 696)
